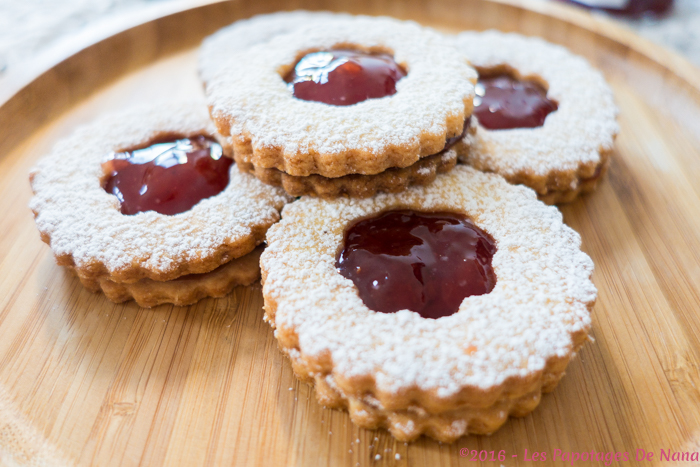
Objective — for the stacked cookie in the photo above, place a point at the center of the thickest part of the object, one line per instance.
(418, 282)
(389, 124)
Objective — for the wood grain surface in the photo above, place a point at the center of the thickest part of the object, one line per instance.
(84, 381)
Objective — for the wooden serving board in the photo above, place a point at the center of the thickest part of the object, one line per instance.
(84, 381)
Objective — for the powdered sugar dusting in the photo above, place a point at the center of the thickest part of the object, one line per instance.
(257, 30)
(583, 126)
(83, 220)
(541, 298)
(258, 104)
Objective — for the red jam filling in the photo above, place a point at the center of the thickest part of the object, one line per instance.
(420, 261)
(168, 176)
(596, 175)
(344, 77)
(632, 8)
(505, 102)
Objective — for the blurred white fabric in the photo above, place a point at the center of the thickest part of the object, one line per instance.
(28, 26)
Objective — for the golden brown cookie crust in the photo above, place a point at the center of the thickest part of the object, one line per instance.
(556, 195)
(463, 373)
(184, 290)
(87, 232)
(269, 128)
(392, 180)
(557, 187)
(478, 412)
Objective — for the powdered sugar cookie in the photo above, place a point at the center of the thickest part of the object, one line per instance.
(296, 111)
(546, 118)
(340, 278)
(145, 194)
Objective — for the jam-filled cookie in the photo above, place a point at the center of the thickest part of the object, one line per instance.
(141, 199)
(544, 117)
(339, 96)
(440, 310)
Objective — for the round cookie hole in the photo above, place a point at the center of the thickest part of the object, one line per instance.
(344, 75)
(426, 262)
(169, 175)
(506, 100)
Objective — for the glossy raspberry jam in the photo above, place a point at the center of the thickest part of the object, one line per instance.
(421, 261)
(505, 102)
(169, 176)
(631, 8)
(449, 142)
(344, 77)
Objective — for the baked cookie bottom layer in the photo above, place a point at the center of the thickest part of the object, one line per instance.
(480, 415)
(558, 188)
(184, 290)
(391, 180)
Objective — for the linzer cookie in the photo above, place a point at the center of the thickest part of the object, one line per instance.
(543, 116)
(440, 310)
(340, 96)
(142, 205)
